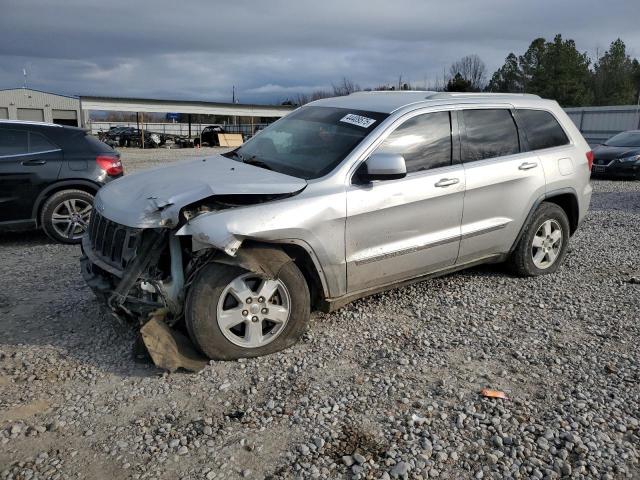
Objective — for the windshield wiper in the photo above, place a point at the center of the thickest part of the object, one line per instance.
(258, 163)
(252, 160)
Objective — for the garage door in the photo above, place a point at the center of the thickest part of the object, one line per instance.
(65, 117)
(31, 114)
(4, 112)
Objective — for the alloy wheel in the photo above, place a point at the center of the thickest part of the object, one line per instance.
(252, 311)
(70, 218)
(547, 244)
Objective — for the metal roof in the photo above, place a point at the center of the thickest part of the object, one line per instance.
(75, 97)
(389, 101)
(127, 104)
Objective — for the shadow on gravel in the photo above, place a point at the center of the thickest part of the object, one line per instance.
(25, 238)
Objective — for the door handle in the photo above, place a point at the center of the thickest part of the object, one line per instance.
(528, 165)
(447, 182)
(34, 162)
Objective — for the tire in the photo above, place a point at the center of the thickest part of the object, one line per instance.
(74, 204)
(523, 261)
(210, 292)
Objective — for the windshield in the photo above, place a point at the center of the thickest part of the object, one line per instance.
(310, 142)
(624, 139)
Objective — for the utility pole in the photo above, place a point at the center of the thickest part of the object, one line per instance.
(233, 100)
(24, 73)
(638, 108)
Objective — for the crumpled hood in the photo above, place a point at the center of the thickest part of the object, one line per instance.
(153, 198)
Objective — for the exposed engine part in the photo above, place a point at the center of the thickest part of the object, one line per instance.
(150, 249)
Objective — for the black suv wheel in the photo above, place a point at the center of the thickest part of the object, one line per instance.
(65, 215)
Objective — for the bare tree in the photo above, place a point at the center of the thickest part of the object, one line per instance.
(345, 87)
(472, 69)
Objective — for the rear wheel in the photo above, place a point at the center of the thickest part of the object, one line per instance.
(233, 313)
(65, 215)
(544, 243)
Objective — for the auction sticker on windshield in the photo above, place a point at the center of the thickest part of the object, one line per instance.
(358, 120)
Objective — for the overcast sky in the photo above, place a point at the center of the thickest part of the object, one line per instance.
(272, 49)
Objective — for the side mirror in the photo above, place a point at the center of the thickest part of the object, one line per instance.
(383, 166)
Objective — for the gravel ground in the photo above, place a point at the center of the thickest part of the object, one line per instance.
(384, 388)
(135, 159)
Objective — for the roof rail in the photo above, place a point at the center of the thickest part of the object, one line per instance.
(386, 92)
(439, 95)
(29, 122)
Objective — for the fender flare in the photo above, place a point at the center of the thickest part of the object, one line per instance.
(262, 259)
(57, 186)
(536, 204)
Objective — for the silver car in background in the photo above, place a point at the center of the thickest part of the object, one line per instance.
(342, 198)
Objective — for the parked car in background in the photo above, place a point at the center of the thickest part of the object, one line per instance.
(618, 156)
(49, 175)
(130, 137)
(340, 199)
(209, 135)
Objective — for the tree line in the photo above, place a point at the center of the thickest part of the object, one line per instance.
(552, 69)
(557, 70)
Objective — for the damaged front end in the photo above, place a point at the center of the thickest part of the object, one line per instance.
(143, 274)
(135, 271)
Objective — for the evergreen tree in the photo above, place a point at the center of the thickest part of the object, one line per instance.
(532, 66)
(613, 79)
(507, 78)
(459, 84)
(554, 70)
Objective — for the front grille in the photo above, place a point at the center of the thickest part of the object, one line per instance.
(113, 243)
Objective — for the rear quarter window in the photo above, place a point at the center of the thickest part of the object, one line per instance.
(96, 145)
(542, 129)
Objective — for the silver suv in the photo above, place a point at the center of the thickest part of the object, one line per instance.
(340, 199)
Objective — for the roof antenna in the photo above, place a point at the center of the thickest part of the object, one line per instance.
(24, 73)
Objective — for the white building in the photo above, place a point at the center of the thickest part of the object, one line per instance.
(37, 106)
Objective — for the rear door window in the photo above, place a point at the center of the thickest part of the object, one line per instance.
(489, 133)
(424, 141)
(542, 129)
(13, 142)
(38, 143)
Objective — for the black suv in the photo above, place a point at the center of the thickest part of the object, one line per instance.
(49, 175)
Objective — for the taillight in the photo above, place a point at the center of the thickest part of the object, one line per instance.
(590, 159)
(111, 165)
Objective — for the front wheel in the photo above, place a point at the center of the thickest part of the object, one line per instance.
(544, 243)
(232, 313)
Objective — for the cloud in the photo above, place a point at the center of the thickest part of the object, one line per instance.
(271, 50)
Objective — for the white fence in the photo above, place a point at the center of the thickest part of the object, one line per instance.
(597, 124)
